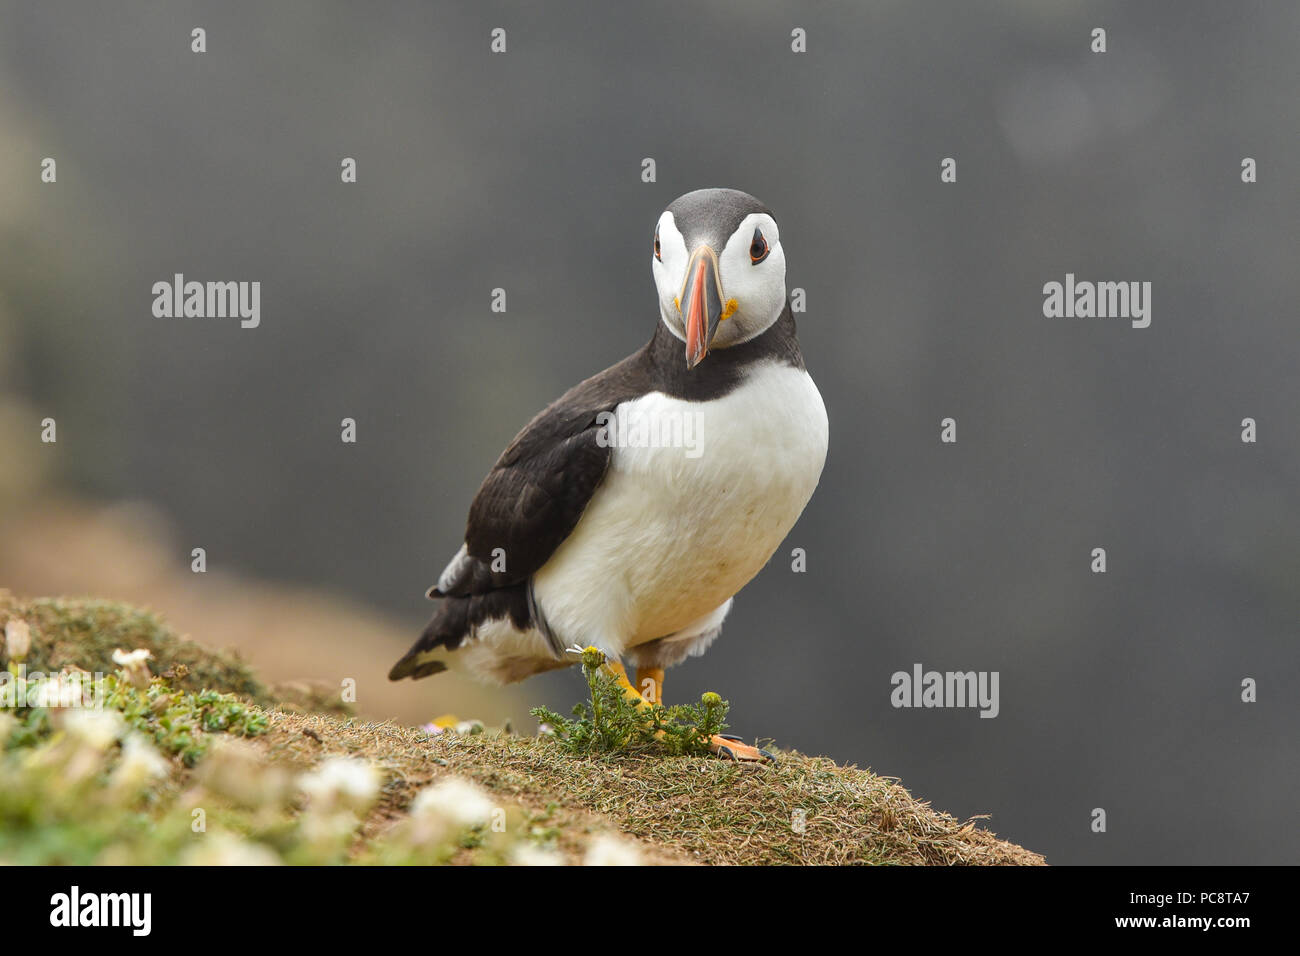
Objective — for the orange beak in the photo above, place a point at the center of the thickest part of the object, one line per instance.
(701, 304)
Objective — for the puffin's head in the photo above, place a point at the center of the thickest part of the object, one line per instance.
(719, 268)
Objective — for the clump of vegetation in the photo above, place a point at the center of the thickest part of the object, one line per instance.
(96, 791)
(87, 759)
(178, 723)
(92, 770)
(181, 723)
(613, 722)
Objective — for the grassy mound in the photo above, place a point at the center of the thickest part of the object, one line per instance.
(684, 809)
(318, 787)
(82, 632)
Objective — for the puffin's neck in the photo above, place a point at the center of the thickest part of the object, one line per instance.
(724, 368)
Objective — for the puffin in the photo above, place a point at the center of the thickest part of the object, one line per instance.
(630, 511)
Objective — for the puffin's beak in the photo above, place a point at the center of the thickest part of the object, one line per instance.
(701, 304)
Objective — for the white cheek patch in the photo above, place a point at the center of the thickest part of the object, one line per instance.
(670, 272)
(758, 290)
(672, 251)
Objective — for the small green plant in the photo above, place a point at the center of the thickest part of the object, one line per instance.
(180, 723)
(612, 722)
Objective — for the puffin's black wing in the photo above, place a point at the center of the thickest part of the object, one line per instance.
(535, 494)
(531, 500)
(528, 504)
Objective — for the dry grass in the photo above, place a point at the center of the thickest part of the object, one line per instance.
(680, 809)
(805, 810)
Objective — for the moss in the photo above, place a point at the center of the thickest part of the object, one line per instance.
(76, 632)
(179, 723)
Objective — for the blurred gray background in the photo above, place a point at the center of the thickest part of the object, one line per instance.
(522, 171)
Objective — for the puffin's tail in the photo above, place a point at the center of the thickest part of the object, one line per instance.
(443, 634)
(454, 623)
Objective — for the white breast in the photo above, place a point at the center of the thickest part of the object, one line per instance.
(673, 532)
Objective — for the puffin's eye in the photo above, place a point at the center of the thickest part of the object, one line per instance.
(758, 248)
(657, 254)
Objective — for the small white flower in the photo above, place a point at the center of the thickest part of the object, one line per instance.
(134, 666)
(235, 770)
(225, 849)
(342, 781)
(18, 639)
(140, 764)
(98, 729)
(526, 854)
(607, 850)
(453, 801)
